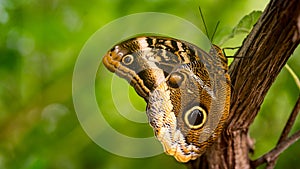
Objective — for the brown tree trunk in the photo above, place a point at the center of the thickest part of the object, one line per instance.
(264, 53)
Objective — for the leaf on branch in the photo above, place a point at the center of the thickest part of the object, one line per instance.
(246, 23)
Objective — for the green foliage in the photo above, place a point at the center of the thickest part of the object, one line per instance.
(40, 41)
(246, 23)
(244, 26)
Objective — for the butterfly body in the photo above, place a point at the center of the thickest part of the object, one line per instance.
(187, 90)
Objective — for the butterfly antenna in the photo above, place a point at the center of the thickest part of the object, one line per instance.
(215, 30)
(203, 21)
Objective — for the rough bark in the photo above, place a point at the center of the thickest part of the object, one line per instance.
(258, 62)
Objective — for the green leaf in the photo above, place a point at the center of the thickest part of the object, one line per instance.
(244, 26)
(246, 23)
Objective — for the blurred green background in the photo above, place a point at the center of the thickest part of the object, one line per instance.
(39, 44)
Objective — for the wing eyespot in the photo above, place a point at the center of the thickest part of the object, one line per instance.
(127, 60)
(195, 117)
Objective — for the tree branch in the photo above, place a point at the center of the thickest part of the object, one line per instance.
(271, 157)
(269, 46)
(266, 50)
(290, 122)
(274, 153)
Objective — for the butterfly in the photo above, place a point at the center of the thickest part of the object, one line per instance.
(187, 90)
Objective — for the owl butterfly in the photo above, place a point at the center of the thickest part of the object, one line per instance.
(187, 90)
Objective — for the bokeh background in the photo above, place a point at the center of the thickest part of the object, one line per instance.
(39, 43)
